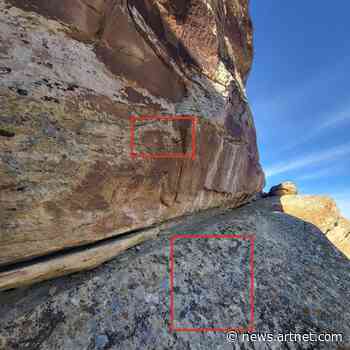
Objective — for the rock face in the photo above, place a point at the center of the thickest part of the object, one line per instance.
(283, 189)
(322, 212)
(71, 75)
(301, 286)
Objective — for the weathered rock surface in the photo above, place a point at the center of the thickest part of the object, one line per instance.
(301, 285)
(69, 262)
(73, 72)
(322, 212)
(283, 189)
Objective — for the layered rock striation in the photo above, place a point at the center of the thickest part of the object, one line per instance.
(73, 73)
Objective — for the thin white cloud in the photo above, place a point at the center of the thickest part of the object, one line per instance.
(307, 160)
(322, 173)
(337, 119)
(270, 106)
(332, 121)
(313, 175)
(277, 103)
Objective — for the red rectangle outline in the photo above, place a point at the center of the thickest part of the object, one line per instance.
(134, 154)
(251, 326)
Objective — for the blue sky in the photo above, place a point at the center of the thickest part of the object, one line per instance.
(300, 96)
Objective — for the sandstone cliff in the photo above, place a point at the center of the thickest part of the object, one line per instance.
(73, 72)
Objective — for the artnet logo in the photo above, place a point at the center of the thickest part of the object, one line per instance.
(135, 134)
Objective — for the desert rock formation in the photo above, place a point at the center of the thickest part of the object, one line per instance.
(322, 212)
(83, 178)
(284, 189)
(73, 72)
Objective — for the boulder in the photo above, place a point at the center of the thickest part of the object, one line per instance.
(283, 189)
(74, 72)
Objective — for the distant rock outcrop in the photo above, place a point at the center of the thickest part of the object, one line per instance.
(322, 212)
(73, 72)
(283, 189)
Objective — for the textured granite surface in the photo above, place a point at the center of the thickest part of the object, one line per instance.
(301, 285)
